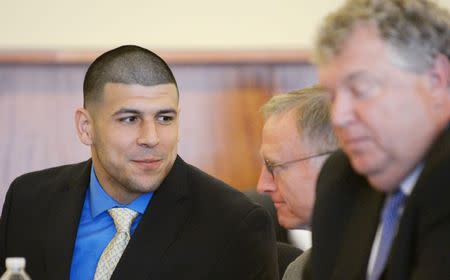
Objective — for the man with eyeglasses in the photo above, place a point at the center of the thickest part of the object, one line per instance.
(297, 138)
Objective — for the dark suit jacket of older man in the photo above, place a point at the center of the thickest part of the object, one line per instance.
(346, 218)
(195, 227)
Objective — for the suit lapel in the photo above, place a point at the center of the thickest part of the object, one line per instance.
(423, 209)
(63, 220)
(359, 234)
(163, 219)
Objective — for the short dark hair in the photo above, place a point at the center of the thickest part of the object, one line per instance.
(128, 65)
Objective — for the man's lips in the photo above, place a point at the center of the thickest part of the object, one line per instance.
(148, 163)
(278, 204)
(355, 140)
(356, 145)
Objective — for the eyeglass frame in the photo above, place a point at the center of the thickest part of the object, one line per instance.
(271, 166)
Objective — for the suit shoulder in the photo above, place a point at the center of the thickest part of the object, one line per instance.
(431, 192)
(337, 175)
(43, 179)
(437, 160)
(338, 164)
(219, 196)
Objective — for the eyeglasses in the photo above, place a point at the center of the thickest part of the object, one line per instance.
(271, 166)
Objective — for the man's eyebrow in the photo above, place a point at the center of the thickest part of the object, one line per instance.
(167, 111)
(127, 111)
(138, 112)
(356, 76)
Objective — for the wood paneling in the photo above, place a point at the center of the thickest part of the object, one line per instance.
(173, 57)
(220, 124)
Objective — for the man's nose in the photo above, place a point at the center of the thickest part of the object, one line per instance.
(266, 183)
(342, 112)
(148, 134)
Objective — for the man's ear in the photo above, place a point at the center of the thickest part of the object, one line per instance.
(84, 126)
(178, 120)
(440, 72)
(440, 80)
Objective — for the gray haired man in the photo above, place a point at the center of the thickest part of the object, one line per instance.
(297, 138)
(382, 209)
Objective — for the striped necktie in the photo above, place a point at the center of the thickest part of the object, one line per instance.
(390, 218)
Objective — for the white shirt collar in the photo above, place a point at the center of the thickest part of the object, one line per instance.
(407, 185)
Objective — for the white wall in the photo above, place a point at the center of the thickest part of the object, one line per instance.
(162, 24)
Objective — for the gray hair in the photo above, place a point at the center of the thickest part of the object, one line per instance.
(415, 30)
(312, 106)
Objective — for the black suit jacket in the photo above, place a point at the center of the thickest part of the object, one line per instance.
(196, 227)
(266, 202)
(346, 216)
(286, 255)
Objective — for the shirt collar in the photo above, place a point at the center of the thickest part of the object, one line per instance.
(407, 185)
(100, 201)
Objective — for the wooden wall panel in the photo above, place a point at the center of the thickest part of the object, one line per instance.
(220, 123)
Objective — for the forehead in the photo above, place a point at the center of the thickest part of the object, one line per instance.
(118, 94)
(280, 137)
(363, 51)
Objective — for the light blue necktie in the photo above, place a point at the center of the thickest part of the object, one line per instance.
(390, 218)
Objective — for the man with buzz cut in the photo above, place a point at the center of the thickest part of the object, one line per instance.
(382, 205)
(135, 210)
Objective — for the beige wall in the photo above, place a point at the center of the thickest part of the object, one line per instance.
(162, 24)
(168, 24)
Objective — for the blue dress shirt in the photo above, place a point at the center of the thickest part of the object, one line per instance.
(96, 228)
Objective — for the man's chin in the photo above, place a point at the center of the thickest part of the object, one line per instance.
(145, 186)
(289, 223)
(376, 173)
(363, 165)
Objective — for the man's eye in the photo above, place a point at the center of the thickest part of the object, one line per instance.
(364, 90)
(165, 119)
(130, 119)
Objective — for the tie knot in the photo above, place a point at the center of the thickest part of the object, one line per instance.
(123, 218)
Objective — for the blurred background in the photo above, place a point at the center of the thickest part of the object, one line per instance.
(228, 57)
